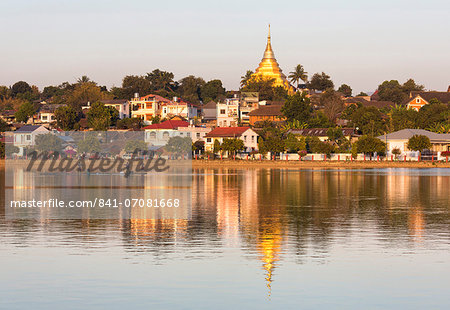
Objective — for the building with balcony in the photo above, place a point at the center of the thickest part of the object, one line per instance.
(228, 113)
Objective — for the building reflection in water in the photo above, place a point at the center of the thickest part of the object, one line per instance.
(266, 213)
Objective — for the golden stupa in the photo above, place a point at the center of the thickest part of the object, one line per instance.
(269, 68)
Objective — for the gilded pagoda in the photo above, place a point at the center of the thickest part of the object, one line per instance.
(269, 68)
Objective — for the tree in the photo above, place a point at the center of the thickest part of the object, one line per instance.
(161, 80)
(271, 140)
(26, 110)
(4, 126)
(190, 87)
(20, 87)
(199, 146)
(419, 143)
(66, 117)
(133, 146)
(391, 91)
(179, 145)
(89, 144)
(84, 79)
(100, 117)
(345, 90)
(51, 91)
(370, 145)
(332, 103)
(212, 90)
(410, 85)
(402, 118)
(84, 93)
(246, 77)
(368, 120)
(134, 123)
(231, 146)
(4, 93)
(294, 144)
(132, 84)
(8, 150)
(48, 143)
(432, 114)
(299, 74)
(113, 115)
(396, 152)
(320, 81)
(297, 107)
(217, 147)
(319, 120)
(156, 119)
(261, 84)
(335, 134)
(319, 147)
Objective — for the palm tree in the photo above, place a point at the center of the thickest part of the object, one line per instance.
(83, 79)
(245, 78)
(298, 74)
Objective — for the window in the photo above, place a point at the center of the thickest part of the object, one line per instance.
(253, 138)
(52, 117)
(152, 135)
(198, 135)
(188, 134)
(165, 135)
(417, 100)
(245, 138)
(44, 117)
(208, 139)
(222, 111)
(28, 137)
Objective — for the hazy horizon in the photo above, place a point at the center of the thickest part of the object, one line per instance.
(360, 43)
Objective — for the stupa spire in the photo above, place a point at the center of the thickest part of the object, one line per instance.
(269, 68)
(268, 53)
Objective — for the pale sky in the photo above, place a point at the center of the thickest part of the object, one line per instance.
(361, 43)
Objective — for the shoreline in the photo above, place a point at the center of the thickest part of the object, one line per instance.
(255, 164)
(314, 164)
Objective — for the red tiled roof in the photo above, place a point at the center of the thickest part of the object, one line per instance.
(227, 132)
(157, 98)
(170, 124)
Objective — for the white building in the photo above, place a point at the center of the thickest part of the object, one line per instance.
(46, 113)
(159, 134)
(121, 105)
(25, 136)
(178, 107)
(246, 134)
(195, 133)
(399, 140)
(228, 113)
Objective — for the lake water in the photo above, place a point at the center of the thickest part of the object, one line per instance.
(257, 239)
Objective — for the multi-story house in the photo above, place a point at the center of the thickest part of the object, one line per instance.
(147, 107)
(178, 107)
(248, 103)
(228, 113)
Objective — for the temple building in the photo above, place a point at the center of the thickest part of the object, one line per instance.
(269, 68)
